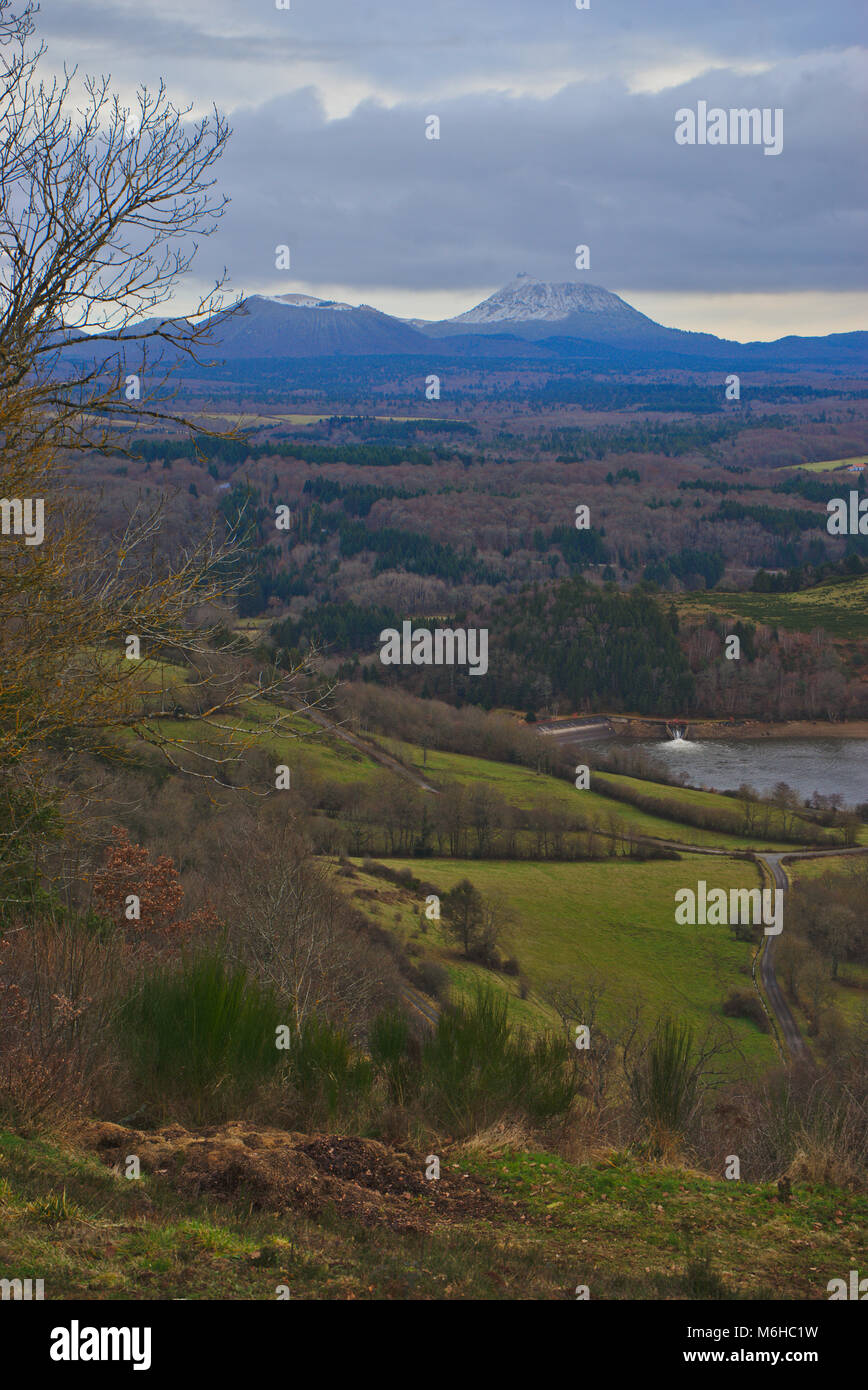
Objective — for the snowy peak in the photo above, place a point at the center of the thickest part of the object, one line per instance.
(526, 300)
(301, 301)
(301, 325)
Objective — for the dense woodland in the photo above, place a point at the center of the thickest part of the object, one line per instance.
(473, 520)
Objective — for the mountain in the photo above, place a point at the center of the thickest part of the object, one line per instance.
(526, 320)
(278, 326)
(570, 319)
(526, 303)
(537, 309)
(301, 326)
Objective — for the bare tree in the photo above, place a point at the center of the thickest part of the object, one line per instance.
(101, 209)
(288, 920)
(581, 1005)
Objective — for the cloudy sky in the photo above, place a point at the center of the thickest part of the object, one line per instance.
(556, 128)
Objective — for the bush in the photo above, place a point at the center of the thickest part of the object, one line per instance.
(741, 1003)
(200, 1039)
(326, 1072)
(432, 978)
(666, 1081)
(61, 981)
(484, 954)
(389, 1043)
(813, 1126)
(402, 878)
(476, 1070)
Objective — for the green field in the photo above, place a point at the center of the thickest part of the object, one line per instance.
(830, 465)
(701, 800)
(526, 789)
(610, 920)
(614, 922)
(311, 751)
(301, 744)
(839, 607)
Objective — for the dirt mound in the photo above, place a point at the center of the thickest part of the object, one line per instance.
(278, 1171)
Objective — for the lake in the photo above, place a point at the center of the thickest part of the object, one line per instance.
(825, 765)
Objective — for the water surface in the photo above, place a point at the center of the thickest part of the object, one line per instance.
(824, 765)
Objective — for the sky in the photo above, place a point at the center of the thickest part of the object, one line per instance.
(557, 129)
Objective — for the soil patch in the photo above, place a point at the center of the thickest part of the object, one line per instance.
(276, 1170)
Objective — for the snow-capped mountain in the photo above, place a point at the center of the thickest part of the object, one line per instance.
(303, 301)
(530, 308)
(527, 319)
(525, 300)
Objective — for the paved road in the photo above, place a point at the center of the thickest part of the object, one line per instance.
(795, 1043)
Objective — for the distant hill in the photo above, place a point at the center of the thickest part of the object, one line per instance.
(286, 326)
(538, 310)
(526, 320)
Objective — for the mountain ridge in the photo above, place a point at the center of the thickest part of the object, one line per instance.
(525, 319)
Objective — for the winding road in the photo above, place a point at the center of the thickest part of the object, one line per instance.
(795, 1043)
(796, 1046)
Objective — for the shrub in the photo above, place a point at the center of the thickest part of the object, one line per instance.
(199, 1039)
(741, 1003)
(328, 1075)
(389, 1043)
(432, 978)
(477, 1070)
(812, 1126)
(61, 981)
(666, 1081)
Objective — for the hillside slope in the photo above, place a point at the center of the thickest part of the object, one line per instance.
(500, 1225)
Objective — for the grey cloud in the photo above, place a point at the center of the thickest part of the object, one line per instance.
(517, 183)
(401, 44)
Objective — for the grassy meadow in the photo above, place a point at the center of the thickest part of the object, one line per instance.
(838, 606)
(611, 922)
